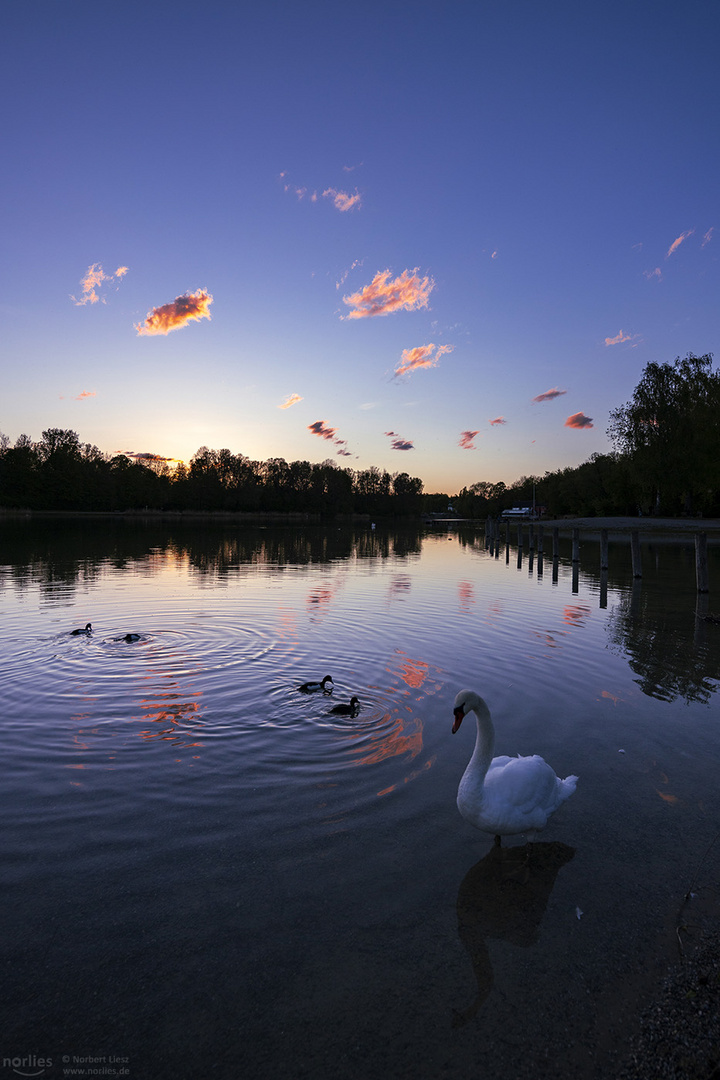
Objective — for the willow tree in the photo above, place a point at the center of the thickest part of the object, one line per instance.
(670, 431)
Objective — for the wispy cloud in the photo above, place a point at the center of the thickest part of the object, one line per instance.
(422, 356)
(656, 273)
(398, 443)
(291, 400)
(148, 458)
(173, 316)
(94, 279)
(342, 200)
(579, 420)
(466, 439)
(351, 168)
(620, 338)
(550, 395)
(321, 429)
(85, 394)
(383, 296)
(497, 420)
(708, 236)
(344, 275)
(676, 243)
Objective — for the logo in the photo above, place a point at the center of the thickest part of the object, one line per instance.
(31, 1065)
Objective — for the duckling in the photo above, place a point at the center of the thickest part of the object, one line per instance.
(345, 709)
(311, 687)
(87, 630)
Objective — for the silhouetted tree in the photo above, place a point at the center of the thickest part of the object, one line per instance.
(671, 432)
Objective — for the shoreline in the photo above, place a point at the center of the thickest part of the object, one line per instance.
(631, 524)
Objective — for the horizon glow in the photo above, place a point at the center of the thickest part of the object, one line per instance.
(484, 267)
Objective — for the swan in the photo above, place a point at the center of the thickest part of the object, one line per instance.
(86, 630)
(345, 709)
(311, 687)
(504, 795)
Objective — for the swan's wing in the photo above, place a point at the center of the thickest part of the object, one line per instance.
(522, 790)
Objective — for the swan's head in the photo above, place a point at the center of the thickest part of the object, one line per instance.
(465, 702)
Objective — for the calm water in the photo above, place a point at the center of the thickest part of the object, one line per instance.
(208, 874)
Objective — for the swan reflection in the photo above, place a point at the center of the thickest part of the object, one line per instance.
(504, 896)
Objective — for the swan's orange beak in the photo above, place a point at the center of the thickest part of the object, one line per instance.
(458, 714)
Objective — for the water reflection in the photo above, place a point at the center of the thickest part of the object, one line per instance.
(651, 620)
(65, 552)
(664, 647)
(504, 896)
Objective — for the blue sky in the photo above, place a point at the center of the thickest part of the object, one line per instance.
(538, 181)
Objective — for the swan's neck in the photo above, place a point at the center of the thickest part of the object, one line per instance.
(484, 743)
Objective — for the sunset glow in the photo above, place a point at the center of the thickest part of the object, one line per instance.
(335, 244)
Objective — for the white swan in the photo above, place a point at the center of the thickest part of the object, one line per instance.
(504, 795)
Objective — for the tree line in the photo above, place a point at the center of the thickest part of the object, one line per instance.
(59, 472)
(665, 460)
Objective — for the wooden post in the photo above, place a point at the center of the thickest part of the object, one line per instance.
(576, 545)
(603, 588)
(556, 543)
(603, 549)
(519, 534)
(635, 548)
(540, 539)
(531, 537)
(701, 563)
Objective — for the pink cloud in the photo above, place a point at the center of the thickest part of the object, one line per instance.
(342, 201)
(708, 236)
(421, 357)
(291, 400)
(550, 395)
(86, 394)
(93, 280)
(579, 420)
(383, 296)
(173, 316)
(497, 420)
(676, 243)
(320, 428)
(466, 439)
(621, 337)
(398, 442)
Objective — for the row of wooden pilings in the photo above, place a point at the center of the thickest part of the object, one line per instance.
(535, 543)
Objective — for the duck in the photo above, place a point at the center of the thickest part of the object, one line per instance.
(311, 687)
(504, 795)
(130, 637)
(87, 630)
(347, 709)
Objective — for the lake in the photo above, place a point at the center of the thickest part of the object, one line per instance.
(207, 873)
